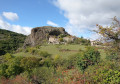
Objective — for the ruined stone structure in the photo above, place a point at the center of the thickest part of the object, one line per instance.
(40, 34)
(69, 39)
(53, 40)
(95, 43)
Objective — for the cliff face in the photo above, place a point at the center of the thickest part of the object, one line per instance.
(40, 34)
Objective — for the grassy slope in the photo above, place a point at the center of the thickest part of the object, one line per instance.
(54, 50)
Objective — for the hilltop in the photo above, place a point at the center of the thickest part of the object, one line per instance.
(40, 34)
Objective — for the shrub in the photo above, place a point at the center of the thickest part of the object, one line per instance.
(28, 63)
(48, 62)
(8, 56)
(31, 50)
(108, 76)
(71, 61)
(16, 80)
(59, 61)
(62, 35)
(105, 72)
(112, 54)
(11, 67)
(3, 68)
(44, 54)
(61, 39)
(88, 57)
(43, 75)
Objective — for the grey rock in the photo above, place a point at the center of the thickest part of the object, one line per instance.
(40, 34)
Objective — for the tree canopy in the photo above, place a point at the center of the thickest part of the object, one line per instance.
(111, 33)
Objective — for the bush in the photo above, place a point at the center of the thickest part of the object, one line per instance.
(88, 57)
(82, 41)
(61, 39)
(11, 67)
(59, 61)
(112, 54)
(105, 72)
(31, 50)
(62, 35)
(8, 56)
(16, 80)
(48, 62)
(71, 62)
(44, 54)
(28, 63)
(43, 75)
(3, 68)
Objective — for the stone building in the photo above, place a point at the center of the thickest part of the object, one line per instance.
(53, 40)
(69, 39)
(56, 40)
(95, 43)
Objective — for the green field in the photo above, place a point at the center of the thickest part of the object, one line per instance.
(63, 50)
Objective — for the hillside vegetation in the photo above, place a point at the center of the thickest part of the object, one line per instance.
(10, 41)
(75, 62)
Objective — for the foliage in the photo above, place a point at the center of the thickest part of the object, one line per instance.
(11, 67)
(71, 76)
(112, 55)
(31, 50)
(111, 33)
(82, 41)
(28, 63)
(44, 54)
(62, 35)
(61, 39)
(43, 75)
(106, 72)
(10, 41)
(48, 62)
(8, 56)
(16, 80)
(88, 57)
(3, 68)
(71, 61)
(58, 61)
(108, 76)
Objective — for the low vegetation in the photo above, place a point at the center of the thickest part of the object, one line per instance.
(72, 63)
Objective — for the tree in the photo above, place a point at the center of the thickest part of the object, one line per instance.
(111, 34)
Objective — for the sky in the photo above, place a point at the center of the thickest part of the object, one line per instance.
(78, 17)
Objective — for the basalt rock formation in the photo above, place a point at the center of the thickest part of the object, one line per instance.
(40, 34)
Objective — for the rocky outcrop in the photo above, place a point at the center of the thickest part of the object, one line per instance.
(40, 34)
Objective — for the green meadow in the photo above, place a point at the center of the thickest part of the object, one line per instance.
(62, 50)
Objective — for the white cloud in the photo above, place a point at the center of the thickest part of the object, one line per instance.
(15, 28)
(83, 15)
(10, 16)
(52, 23)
